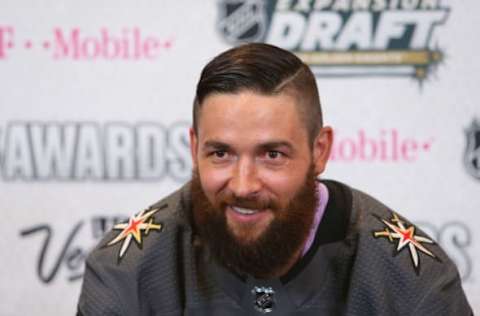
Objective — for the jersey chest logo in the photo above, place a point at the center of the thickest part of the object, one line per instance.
(137, 227)
(403, 235)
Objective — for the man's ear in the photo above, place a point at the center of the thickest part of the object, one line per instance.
(321, 149)
(193, 146)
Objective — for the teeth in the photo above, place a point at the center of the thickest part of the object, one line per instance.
(244, 211)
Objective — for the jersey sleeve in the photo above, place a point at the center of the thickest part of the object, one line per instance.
(98, 294)
(446, 297)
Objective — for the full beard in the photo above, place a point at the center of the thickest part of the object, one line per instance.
(275, 248)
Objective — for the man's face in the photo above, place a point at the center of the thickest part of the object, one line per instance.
(253, 186)
(251, 145)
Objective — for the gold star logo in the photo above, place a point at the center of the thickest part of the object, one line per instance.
(397, 231)
(136, 228)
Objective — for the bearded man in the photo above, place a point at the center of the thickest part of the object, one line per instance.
(255, 231)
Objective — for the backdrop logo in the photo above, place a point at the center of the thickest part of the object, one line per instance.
(86, 151)
(73, 251)
(341, 37)
(471, 157)
(242, 20)
(385, 145)
(76, 44)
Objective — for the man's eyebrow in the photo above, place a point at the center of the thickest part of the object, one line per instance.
(269, 145)
(276, 144)
(215, 144)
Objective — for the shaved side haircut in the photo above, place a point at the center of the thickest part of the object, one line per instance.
(263, 69)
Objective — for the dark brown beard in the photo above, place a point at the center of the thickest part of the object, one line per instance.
(274, 249)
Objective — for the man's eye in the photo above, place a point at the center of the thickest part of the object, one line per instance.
(219, 154)
(272, 154)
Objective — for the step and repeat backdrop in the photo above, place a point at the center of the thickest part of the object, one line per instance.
(95, 106)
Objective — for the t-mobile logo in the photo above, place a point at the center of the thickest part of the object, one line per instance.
(6, 40)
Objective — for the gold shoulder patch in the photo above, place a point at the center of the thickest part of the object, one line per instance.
(398, 231)
(137, 227)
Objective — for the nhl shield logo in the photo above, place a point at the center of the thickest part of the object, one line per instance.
(471, 157)
(263, 299)
(242, 21)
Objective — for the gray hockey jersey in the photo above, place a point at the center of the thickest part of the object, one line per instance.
(365, 260)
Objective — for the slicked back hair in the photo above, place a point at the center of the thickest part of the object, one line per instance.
(263, 69)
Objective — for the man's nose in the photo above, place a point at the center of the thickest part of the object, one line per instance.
(244, 181)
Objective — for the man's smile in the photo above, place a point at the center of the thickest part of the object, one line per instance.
(244, 211)
(246, 215)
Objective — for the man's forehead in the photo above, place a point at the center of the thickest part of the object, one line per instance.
(248, 107)
(250, 118)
